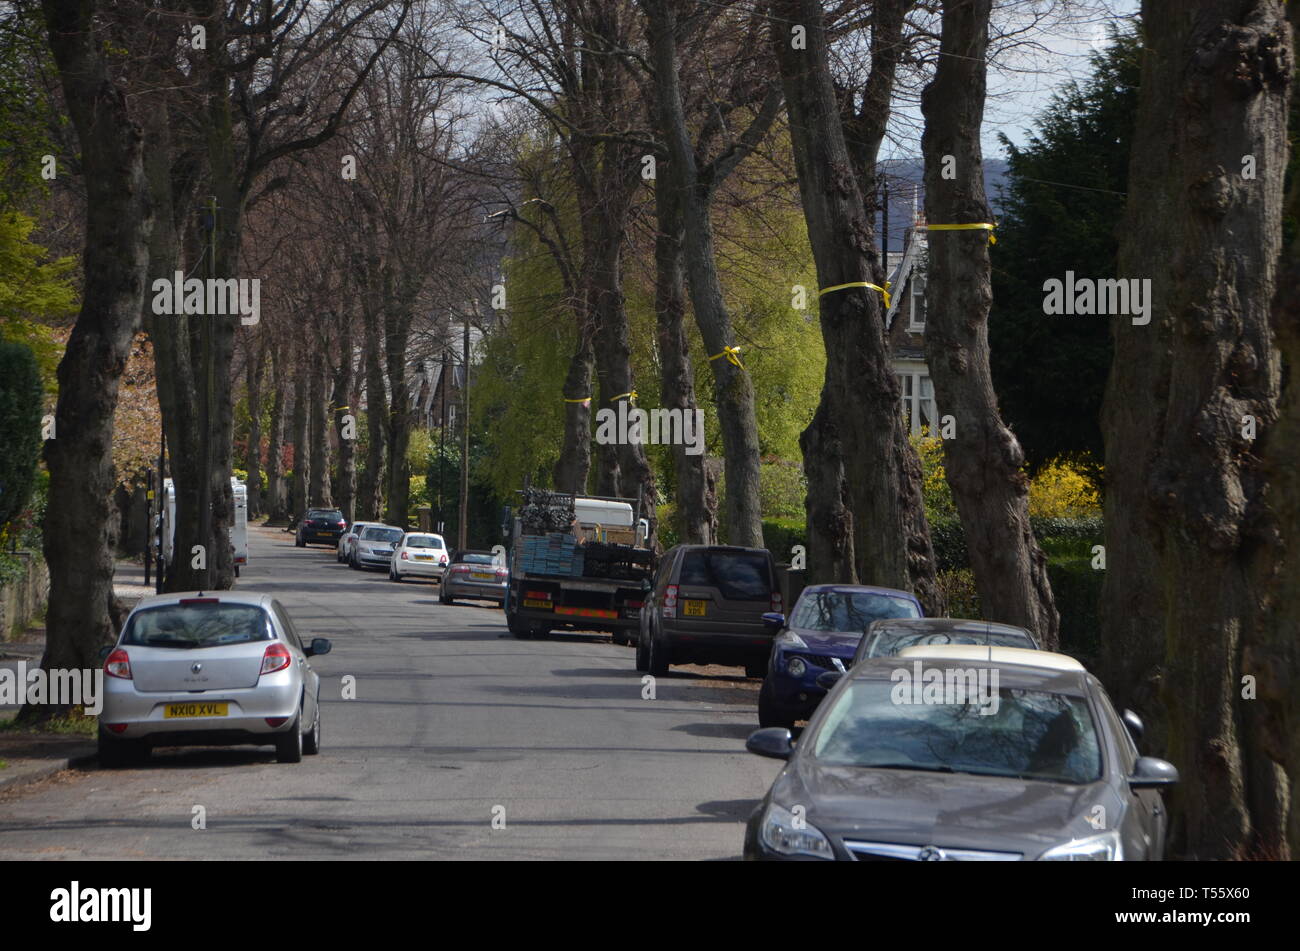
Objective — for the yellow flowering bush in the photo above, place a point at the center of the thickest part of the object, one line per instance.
(1063, 489)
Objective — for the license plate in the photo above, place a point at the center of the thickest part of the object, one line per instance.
(482, 576)
(174, 710)
(324, 534)
(534, 603)
(424, 558)
(693, 608)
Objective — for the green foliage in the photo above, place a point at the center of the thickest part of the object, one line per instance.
(958, 587)
(1058, 537)
(1062, 212)
(782, 489)
(780, 535)
(32, 291)
(1076, 586)
(26, 112)
(934, 482)
(20, 428)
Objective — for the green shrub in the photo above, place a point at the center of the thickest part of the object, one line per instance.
(781, 489)
(21, 397)
(1058, 537)
(1076, 585)
(958, 587)
(780, 535)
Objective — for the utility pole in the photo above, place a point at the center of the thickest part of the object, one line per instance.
(442, 445)
(463, 527)
(884, 223)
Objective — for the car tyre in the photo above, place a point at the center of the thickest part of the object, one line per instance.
(298, 542)
(658, 661)
(770, 712)
(642, 655)
(519, 628)
(311, 740)
(288, 748)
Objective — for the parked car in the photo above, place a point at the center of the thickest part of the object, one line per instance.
(418, 555)
(822, 634)
(474, 575)
(209, 669)
(887, 637)
(707, 607)
(348, 541)
(374, 546)
(1036, 765)
(320, 527)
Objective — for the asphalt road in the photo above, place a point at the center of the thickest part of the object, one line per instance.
(455, 722)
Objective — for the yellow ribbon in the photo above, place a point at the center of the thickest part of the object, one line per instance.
(631, 395)
(731, 354)
(884, 291)
(585, 399)
(982, 226)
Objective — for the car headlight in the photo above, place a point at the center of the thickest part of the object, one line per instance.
(795, 667)
(785, 834)
(1095, 848)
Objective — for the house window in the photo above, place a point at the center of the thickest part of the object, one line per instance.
(916, 310)
(919, 409)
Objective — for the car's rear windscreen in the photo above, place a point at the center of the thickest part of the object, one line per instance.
(738, 575)
(203, 624)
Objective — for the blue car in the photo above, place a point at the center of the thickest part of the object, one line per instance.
(822, 635)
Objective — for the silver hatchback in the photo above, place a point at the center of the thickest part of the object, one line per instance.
(220, 669)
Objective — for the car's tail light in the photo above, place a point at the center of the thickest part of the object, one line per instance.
(670, 601)
(502, 573)
(442, 560)
(118, 664)
(277, 657)
(117, 727)
(343, 524)
(776, 601)
(405, 557)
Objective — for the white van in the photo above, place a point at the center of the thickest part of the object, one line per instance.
(238, 530)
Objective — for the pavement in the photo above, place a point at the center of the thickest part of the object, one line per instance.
(27, 757)
(461, 742)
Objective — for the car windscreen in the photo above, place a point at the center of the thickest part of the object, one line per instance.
(848, 610)
(965, 728)
(204, 624)
(326, 514)
(888, 643)
(738, 575)
(423, 541)
(473, 558)
(381, 535)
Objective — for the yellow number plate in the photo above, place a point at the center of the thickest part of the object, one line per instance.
(196, 710)
(534, 603)
(482, 576)
(693, 608)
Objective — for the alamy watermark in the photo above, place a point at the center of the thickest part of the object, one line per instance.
(1107, 297)
(658, 427)
(214, 296)
(58, 687)
(948, 686)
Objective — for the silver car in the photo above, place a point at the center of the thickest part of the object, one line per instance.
(220, 669)
(474, 574)
(374, 546)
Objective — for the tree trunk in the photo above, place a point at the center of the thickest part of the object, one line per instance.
(79, 519)
(1181, 467)
(276, 503)
(345, 480)
(397, 330)
(318, 493)
(733, 390)
(983, 461)
(370, 503)
(865, 514)
(253, 461)
(299, 503)
(574, 464)
(695, 519)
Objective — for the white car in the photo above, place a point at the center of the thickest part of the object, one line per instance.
(418, 555)
(348, 541)
(209, 669)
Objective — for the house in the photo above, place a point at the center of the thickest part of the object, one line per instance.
(905, 330)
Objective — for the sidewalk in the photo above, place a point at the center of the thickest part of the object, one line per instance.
(27, 757)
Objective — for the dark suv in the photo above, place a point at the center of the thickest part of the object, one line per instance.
(707, 607)
(320, 527)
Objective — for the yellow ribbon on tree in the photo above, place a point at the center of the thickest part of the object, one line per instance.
(631, 395)
(732, 355)
(584, 399)
(884, 291)
(981, 226)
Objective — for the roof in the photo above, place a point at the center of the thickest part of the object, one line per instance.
(227, 597)
(1019, 656)
(866, 588)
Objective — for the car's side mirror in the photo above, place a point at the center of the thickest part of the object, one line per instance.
(1152, 773)
(775, 742)
(319, 645)
(773, 621)
(1134, 724)
(828, 679)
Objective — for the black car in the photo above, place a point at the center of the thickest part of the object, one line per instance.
(707, 607)
(1018, 756)
(320, 527)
